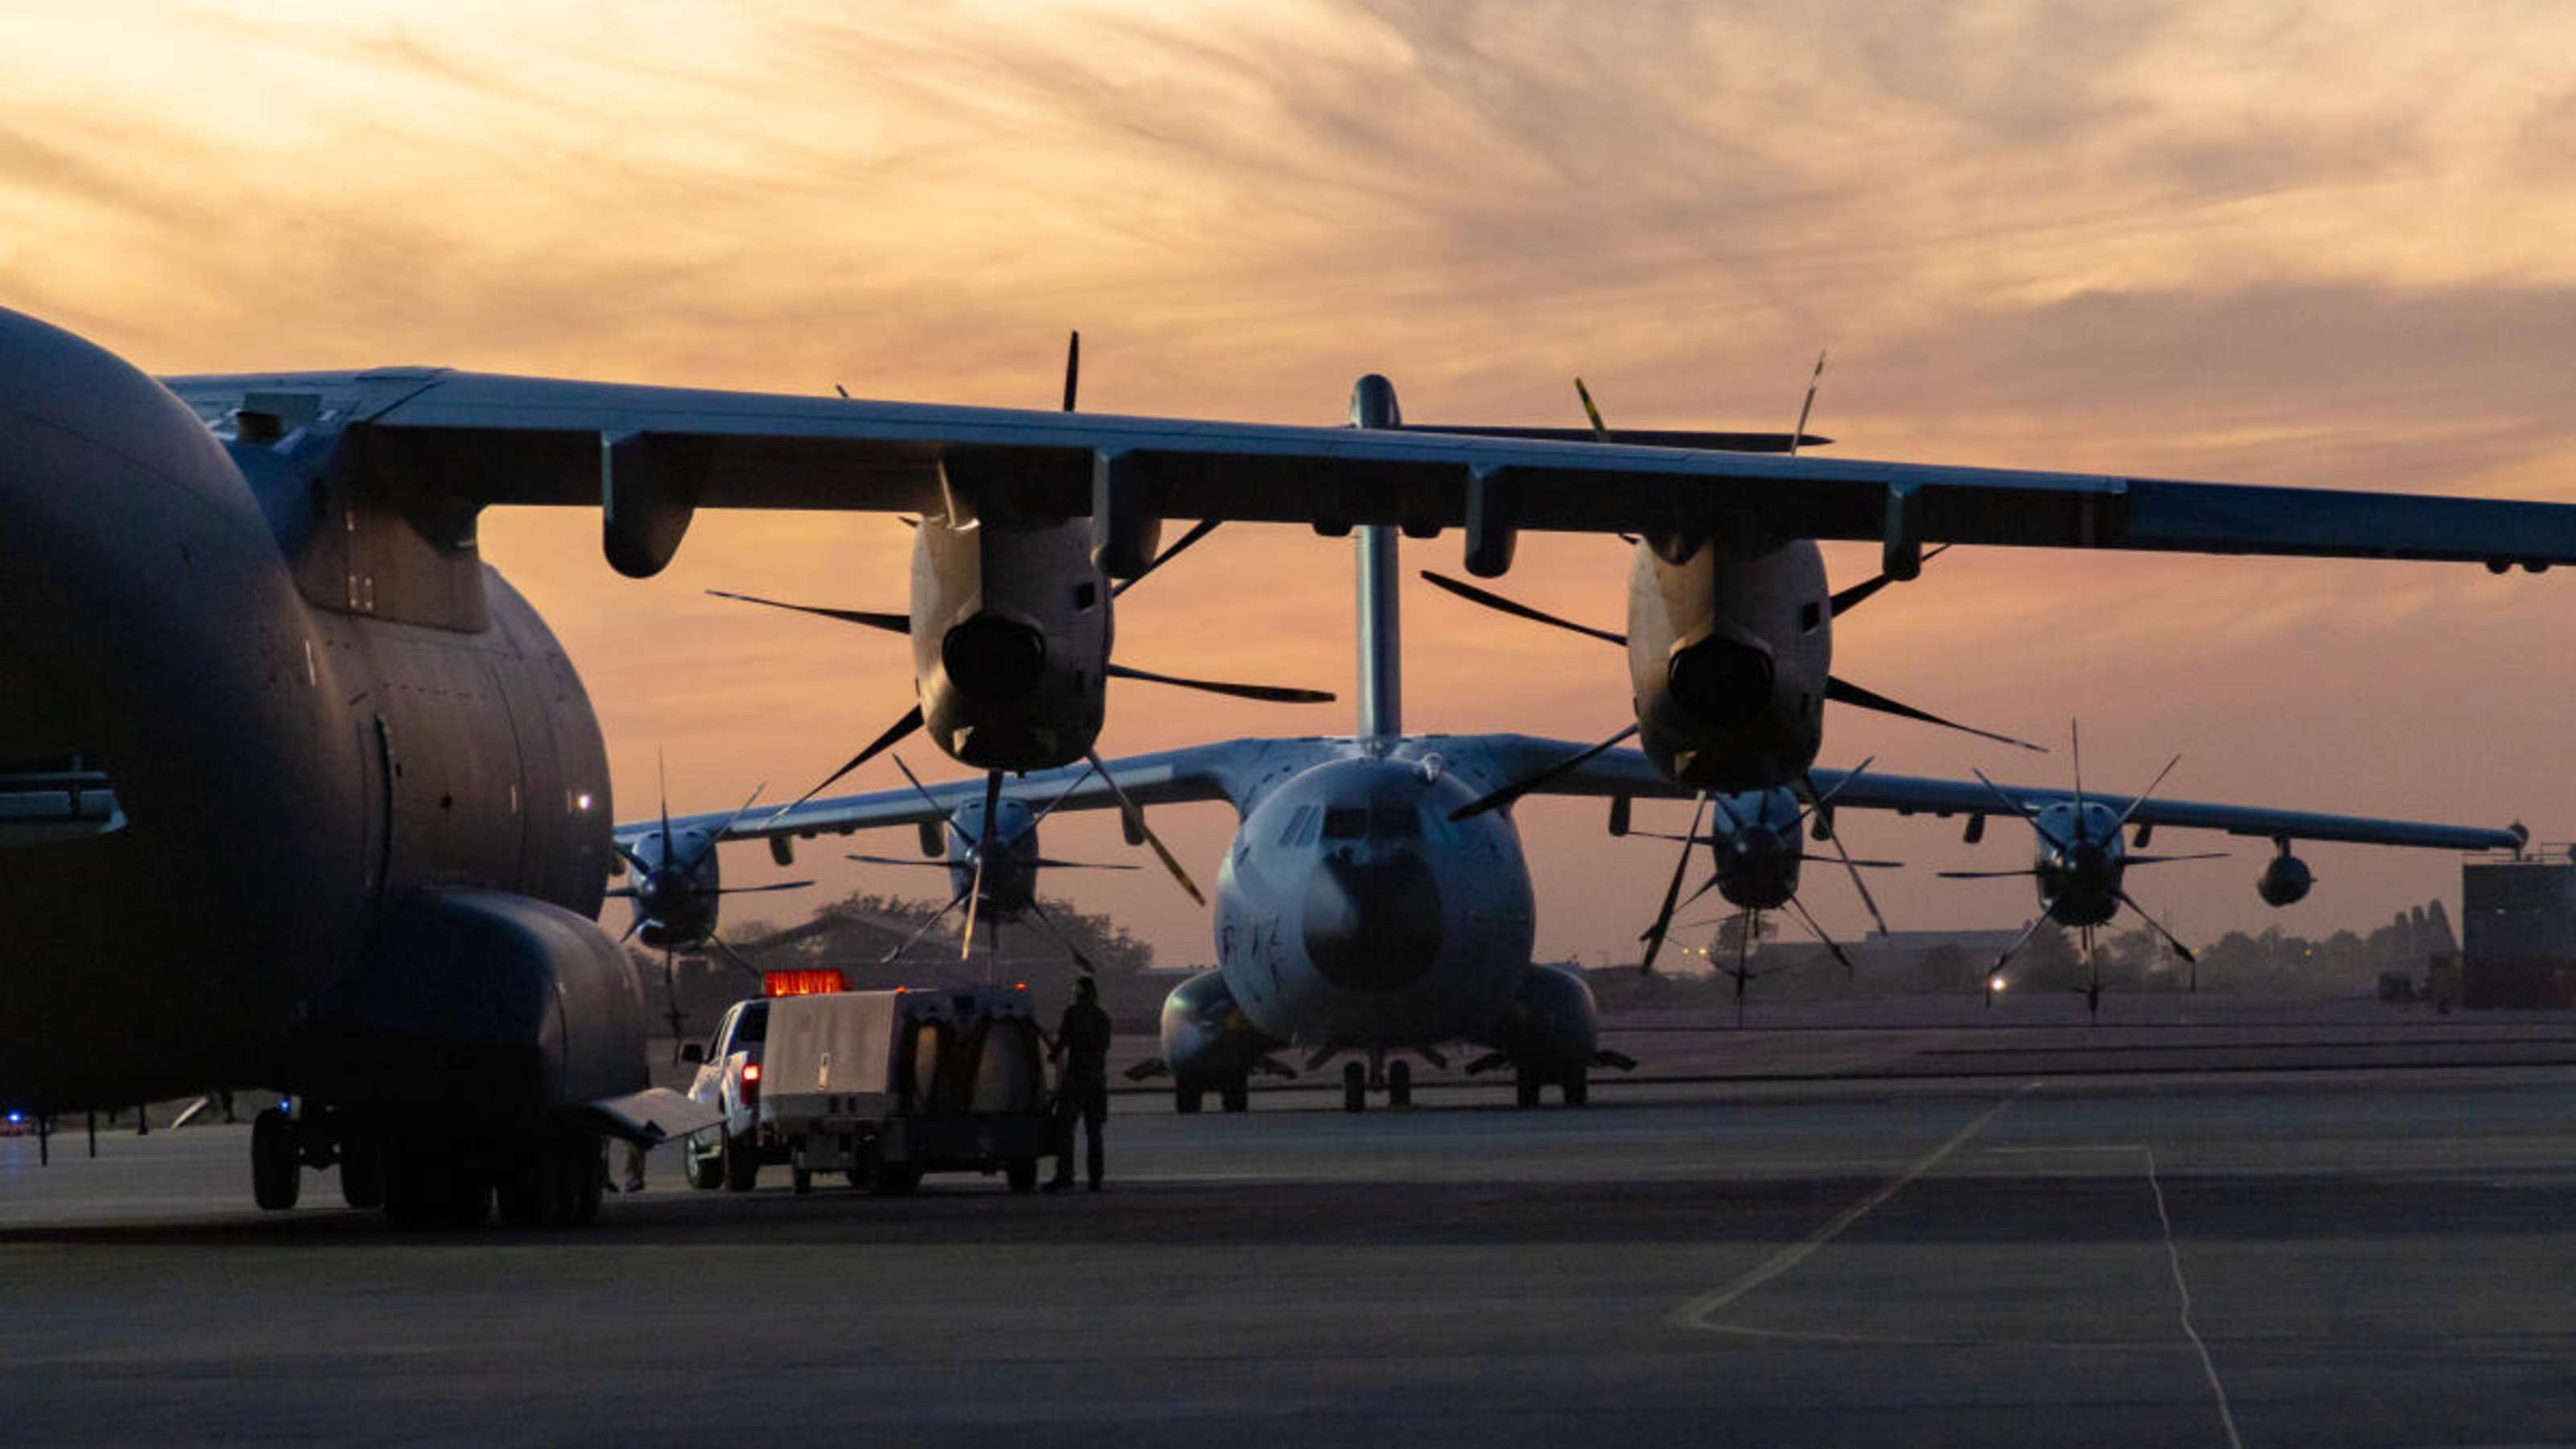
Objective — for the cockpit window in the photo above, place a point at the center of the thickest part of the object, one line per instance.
(1389, 820)
(1346, 822)
(1297, 820)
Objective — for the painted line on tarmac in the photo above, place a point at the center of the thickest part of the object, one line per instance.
(2173, 1258)
(1696, 1313)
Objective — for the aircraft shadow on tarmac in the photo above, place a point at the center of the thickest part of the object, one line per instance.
(2067, 1201)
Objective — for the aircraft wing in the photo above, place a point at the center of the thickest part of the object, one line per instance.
(1628, 772)
(1167, 777)
(652, 455)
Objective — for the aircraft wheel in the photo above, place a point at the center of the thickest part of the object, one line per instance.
(1236, 1095)
(276, 1161)
(894, 1179)
(705, 1171)
(799, 1180)
(1354, 1087)
(741, 1164)
(1578, 1087)
(1399, 1084)
(1023, 1173)
(1186, 1100)
(1525, 1086)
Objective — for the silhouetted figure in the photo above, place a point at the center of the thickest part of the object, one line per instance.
(1081, 1046)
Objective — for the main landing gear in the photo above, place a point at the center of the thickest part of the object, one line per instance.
(425, 1175)
(1395, 1078)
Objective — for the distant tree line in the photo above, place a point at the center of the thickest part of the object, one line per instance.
(856, 933)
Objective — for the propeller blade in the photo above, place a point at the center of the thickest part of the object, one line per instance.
(637, 925)
(784, 885)
(2075, 742)
(1846, 600)
(1052, 864)
(620, 893)
(983, 853)
(721, 831)
(1705, 887)
(2016, 807)
(633, 861)
(2018, 942)
(1809, 921)
(1514, 791)
(1270, 693)
(1136, 818)
(1600, 430)
(897, 860)
(1072, 368)
(1817, 802)
(2158, 927)
(1654, 937)
(924, 928)
(1516, 609)
(662, 788)
(1040, 818)
(2123, 821)
(1198, 530)
(1842, 691)
(891, 623)
(2170, 859)
(1809, 406)
(739, 964)
(1048, 923)
(1851, 868)
(894, 735)
(1854, 864)
(924, 792)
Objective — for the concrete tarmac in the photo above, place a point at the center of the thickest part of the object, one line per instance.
(2323, 1257)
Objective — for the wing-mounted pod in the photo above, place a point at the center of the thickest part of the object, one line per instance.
(2286, 879)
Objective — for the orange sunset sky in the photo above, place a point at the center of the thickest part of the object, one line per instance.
(2325, 244)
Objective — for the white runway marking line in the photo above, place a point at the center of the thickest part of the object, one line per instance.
(2173, 1257)
(1696, 1313)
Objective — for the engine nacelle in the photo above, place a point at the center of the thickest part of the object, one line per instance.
(2285, 881)
(1207, 1040)
(1552, 1022)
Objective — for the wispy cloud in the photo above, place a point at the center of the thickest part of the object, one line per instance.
(2267, 241)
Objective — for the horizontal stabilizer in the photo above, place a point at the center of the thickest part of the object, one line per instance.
(652, 1116)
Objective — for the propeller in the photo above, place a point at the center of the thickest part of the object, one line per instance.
(1654, 937)
(1072, 367)
(983, 854)
(2112, 884)
(678, 874)
(1135, 822)
(1518, 788)
(1837, 689)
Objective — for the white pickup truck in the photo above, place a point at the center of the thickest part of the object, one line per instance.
(728, 1081)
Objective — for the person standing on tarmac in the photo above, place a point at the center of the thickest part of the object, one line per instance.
(1081, 1046)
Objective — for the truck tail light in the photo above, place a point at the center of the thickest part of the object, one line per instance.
(750, 1083)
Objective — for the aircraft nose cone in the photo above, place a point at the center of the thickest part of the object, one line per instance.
(1373, 925)
(1721, 682)
(993, 659)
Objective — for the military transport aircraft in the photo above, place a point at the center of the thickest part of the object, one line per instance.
(1372, 904)
(356, 821)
